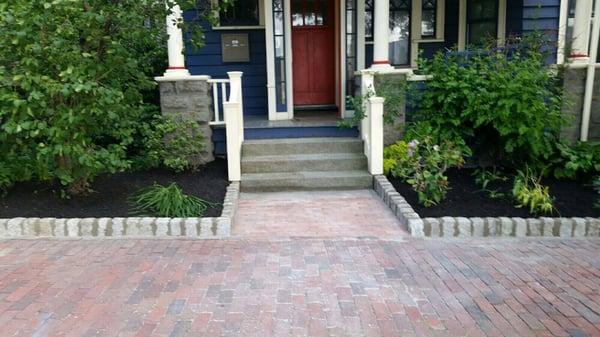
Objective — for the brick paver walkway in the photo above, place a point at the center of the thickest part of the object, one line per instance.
(359, 213)
(300, 288)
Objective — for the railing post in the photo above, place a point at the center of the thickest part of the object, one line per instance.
(235, 78)
(375, 155)
(230, 111)
(367, 88)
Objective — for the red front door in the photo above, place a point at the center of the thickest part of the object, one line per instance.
(313, 40)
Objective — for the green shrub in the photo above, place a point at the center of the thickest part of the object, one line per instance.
(170, 201)
(423, 167)
(528, 191)
(507, 104)
(75, 81)
(171, 142)
(393, 154)
(581, 159)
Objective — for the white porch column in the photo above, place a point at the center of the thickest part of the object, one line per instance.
(381, 45)
(581, 29)
(175, 45)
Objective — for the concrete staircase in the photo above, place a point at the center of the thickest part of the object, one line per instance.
(304, 164)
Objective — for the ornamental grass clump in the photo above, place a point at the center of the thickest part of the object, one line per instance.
(169, 201)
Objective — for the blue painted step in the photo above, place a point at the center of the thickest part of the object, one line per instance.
(219, 140)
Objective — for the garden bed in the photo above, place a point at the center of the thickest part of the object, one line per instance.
(465, 198)
(110, 194)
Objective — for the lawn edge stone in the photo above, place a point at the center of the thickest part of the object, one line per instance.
(449, 227)
(127, 227)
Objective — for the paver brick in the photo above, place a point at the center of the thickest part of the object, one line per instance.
(300, 287)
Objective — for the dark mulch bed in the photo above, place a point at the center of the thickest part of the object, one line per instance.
(465, 198)
(111, 192)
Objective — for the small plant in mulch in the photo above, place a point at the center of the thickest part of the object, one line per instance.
(528, 191)
(169, 201)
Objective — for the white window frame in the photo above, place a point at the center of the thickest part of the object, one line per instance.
(261, 18)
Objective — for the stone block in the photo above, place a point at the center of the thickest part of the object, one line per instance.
(223, 227)
(86, 226)
(566, 227)
(60, 228)
(104, 227)
(579, 227)
(435, 227)
(46, 226)
(549, 224)
(118, 225)
(31, 226)
(131, 226)
(14, 227)
(535, 227)
(191, 227)
(478, 227)
(206, 228)
(175, 226)
(507, 226)
(493, 227)
(464, 227)
(73, 228)
(166, 88)
(415, 227)
(520, 227)
(199, 86)
(3, 228)
(145, 227)
(448, 226)
(593, 227)
(162, 227)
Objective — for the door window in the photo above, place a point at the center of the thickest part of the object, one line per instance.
(309, 13)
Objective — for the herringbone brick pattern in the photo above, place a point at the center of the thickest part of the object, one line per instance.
(300, 288)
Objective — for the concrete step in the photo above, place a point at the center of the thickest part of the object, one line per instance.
(306, 180)
(274, 147)
(304, 162)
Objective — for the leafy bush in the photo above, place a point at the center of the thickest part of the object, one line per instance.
(394, 154)
(577, 160)
(505, 103)
(172, 142)
(528, 191)
(423, 167)
(75, 80)
(170, 201)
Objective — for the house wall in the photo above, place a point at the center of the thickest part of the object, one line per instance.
(209, 61)
(543, 16)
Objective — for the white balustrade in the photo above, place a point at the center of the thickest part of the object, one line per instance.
(219, 93)
(233, 111)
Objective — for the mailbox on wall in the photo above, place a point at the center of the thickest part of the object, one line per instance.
(235, 48)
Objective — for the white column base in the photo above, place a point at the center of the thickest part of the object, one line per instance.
(176, 73)
(577, 60)
(381, 66)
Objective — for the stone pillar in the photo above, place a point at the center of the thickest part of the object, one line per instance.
(189, 99)
(381, 42)
(574, 85)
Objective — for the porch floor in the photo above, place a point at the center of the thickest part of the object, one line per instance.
(301, 119)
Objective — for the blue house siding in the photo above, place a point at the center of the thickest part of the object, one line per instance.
(543, 16)
(209, 61)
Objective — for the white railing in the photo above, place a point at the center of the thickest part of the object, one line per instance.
(233, 117)
(219, 93)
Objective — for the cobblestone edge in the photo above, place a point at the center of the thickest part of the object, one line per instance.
(410, 220)
(193, 228)
(575, 227)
